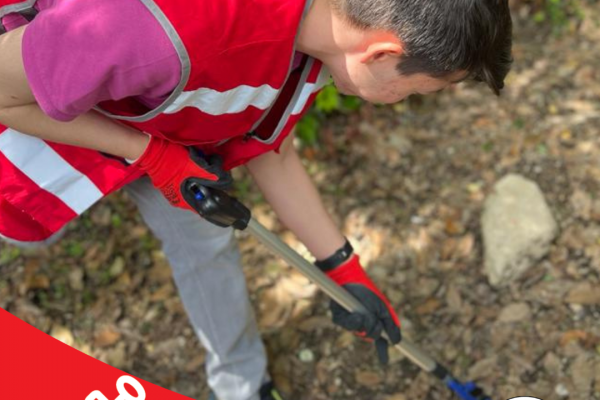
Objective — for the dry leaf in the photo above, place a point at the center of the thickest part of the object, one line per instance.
(276, 306)
(570, 336)
(397, 396)
(453, 226)
(344, 340)
(429, 306)
(38, 282)
(195, 363)
(107, 337)
(368, 378)
(315, 323)
(163, 293)
(584, 294)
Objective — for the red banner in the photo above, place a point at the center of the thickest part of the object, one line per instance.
(34, 366)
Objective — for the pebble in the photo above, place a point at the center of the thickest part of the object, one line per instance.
(306, 356)
(63, 334)
(561, 390)
(578, 311)
(514, 313)
(117, 267)
(76, 279)
(416, 220)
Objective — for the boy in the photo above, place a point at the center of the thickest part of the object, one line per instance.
(94, 95)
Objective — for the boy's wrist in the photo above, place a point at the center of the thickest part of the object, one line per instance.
(138, 144)
(338, 258)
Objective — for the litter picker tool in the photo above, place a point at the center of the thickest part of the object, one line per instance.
(224, 210)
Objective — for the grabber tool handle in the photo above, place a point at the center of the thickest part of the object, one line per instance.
(466, 391)
(223, 210)
(218, 207)
(332, 289)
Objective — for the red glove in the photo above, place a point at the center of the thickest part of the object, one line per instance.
(350, 275)
(172, 167)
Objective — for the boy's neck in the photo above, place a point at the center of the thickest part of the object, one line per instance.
(324, 34)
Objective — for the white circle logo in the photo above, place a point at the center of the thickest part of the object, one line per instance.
(524, 398)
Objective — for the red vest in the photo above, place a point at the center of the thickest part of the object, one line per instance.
(237, 97)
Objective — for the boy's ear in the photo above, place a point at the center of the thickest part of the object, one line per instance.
(381, 51)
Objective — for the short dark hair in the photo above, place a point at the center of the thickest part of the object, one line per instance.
(442, 36)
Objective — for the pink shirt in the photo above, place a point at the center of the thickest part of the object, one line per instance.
(80, 53)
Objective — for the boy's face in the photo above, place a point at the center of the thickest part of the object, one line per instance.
(376, 79)
(369, 71)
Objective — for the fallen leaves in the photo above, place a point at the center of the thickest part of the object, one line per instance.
(584, 338)
(515, 312)
(63, 334)
(368, 378)
(429, 306)
(584, 294)
(106, 336)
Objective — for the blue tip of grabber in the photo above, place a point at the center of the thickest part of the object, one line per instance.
(467, 391)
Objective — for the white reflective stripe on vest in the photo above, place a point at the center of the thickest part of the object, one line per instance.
(231, 101)
(310, 88)
(34, 158)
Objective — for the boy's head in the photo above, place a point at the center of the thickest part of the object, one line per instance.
(386, 50)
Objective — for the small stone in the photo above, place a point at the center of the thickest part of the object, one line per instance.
(76, 279)
(585, 294)
(515, 313)
(117, 267)
(306, 356)
(345, 340)
(63, 334)
(426, 287)
(561, 390)
(582, 204)
(117, 357)
(416, 220)
(483, 368)
(583, 373)
(552, 364)
(578, 311)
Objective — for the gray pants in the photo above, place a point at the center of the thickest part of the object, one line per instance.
(207, 271)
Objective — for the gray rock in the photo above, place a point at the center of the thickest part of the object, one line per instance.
(583, 373)
(518, 229)
(484, 368)
(515, 313)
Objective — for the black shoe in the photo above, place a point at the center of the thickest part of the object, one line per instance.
(267, 392)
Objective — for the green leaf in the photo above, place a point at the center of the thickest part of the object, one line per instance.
(351, 103)
(488, 146)
(539, 17)
(519, 123)
(8, 254)
(75, 249)
(307, 130)
(328, 100)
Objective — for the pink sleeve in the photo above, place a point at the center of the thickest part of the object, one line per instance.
(79, 53)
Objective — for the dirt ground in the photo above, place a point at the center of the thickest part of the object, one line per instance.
(407, 183)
